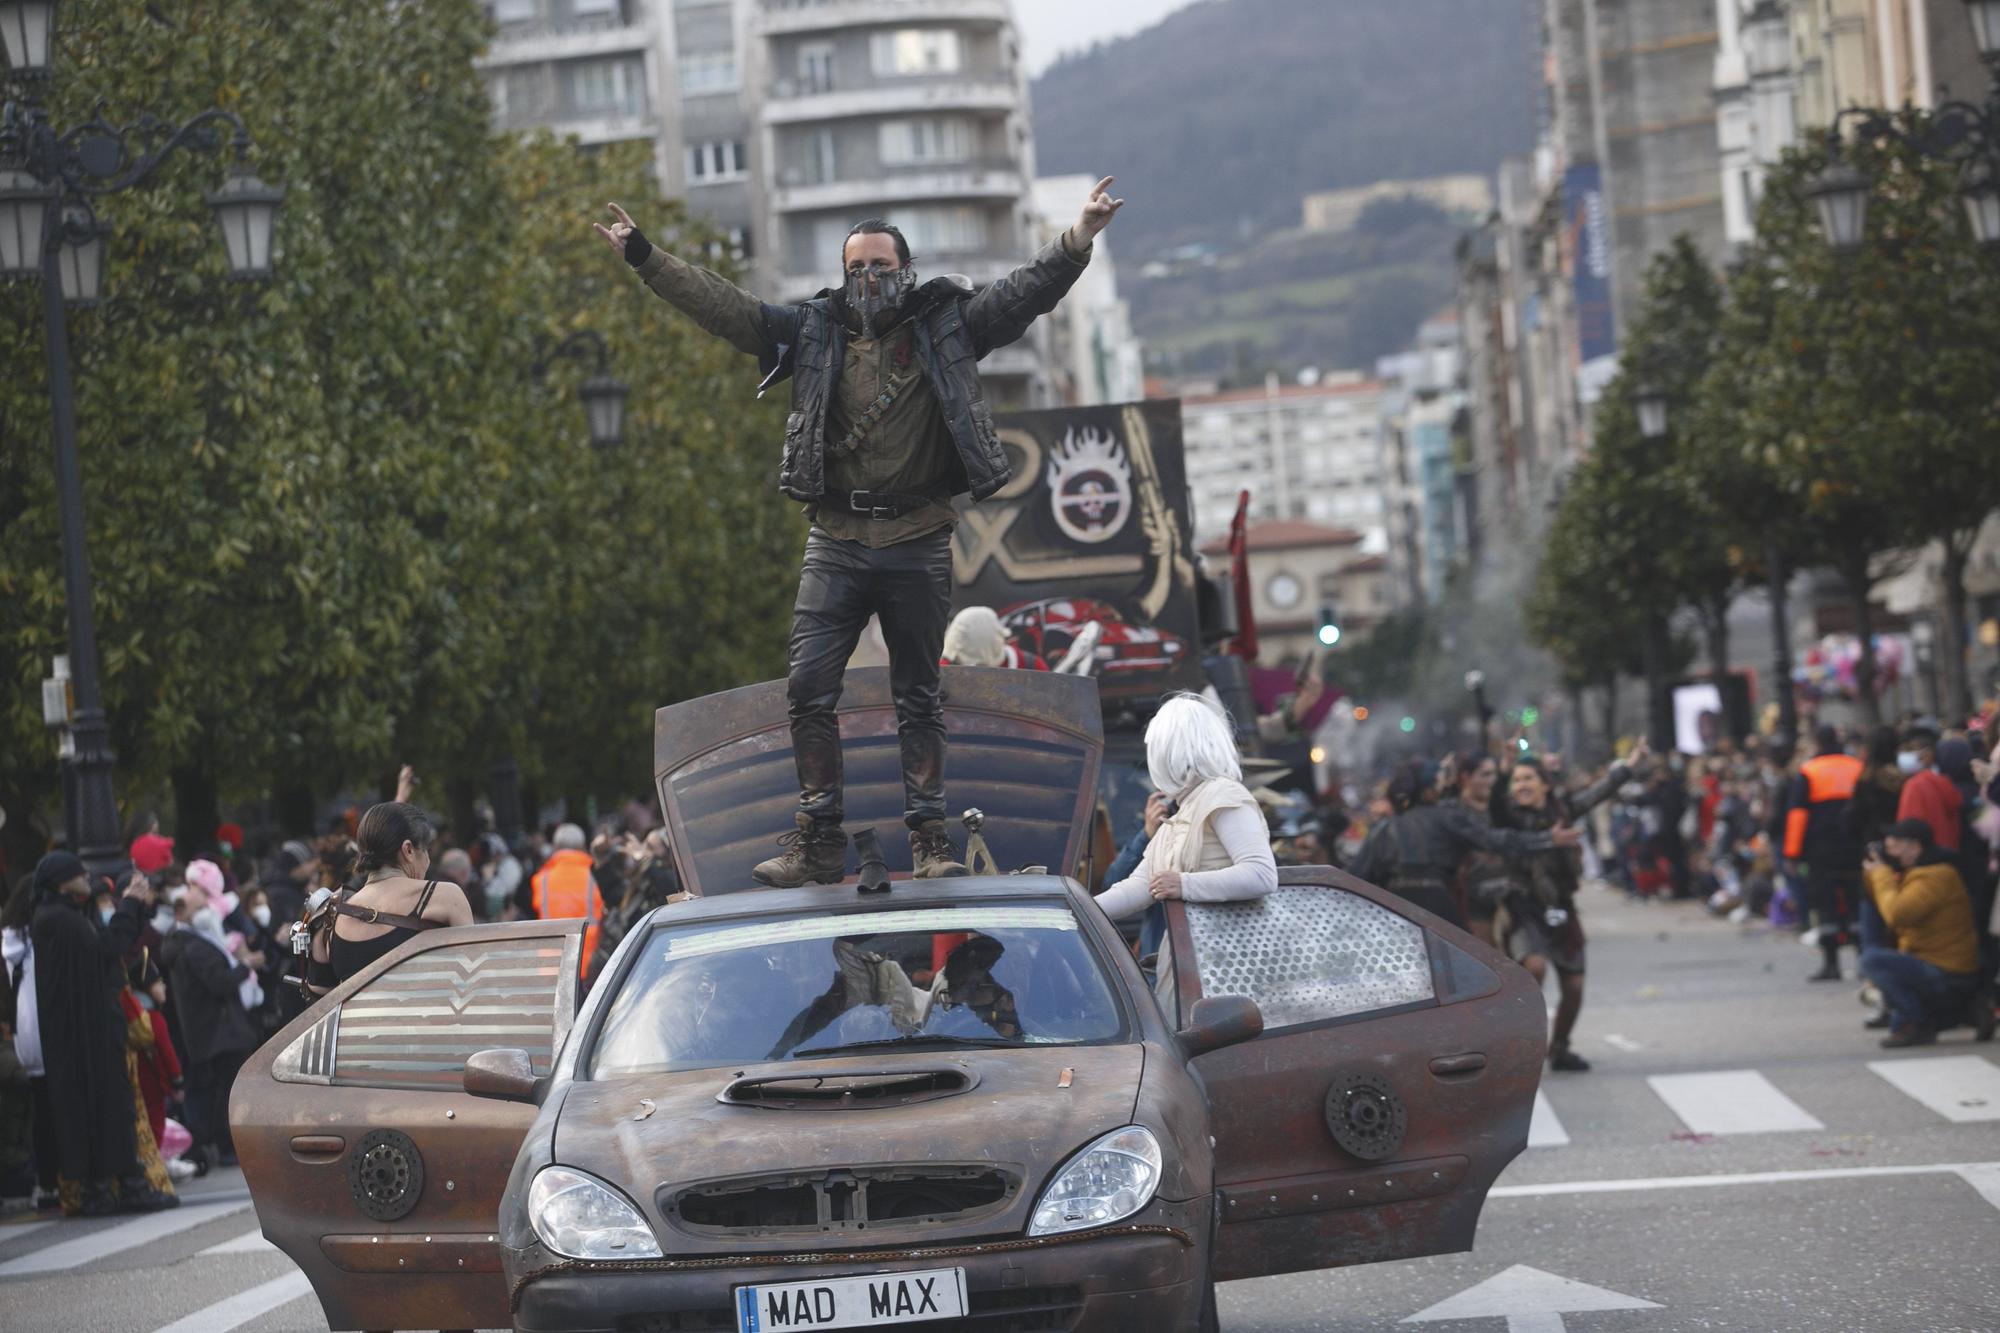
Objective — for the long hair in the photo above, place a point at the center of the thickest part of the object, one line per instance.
(384, 830)
(1187, 743)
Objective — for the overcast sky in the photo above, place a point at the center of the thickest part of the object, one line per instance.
(1050, 28)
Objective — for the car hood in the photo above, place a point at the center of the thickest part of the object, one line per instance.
(1025, 1112)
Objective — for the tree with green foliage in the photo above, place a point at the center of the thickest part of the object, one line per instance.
(334, 524)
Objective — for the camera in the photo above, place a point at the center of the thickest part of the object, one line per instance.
(1556, 918)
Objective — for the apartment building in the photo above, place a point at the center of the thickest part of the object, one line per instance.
(1308, 451)
(668, 72)
(912, 110)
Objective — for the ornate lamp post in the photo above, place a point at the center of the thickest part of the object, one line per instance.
(603, 394)
(1958, 132)
(50, 230)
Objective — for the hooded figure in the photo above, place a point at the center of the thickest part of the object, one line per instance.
(79, 975)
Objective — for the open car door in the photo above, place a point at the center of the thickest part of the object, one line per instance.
(1394, 1079)
(368, 1162)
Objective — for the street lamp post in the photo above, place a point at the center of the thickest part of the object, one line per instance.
(1960, 132)
(603, 394)
(50, 230)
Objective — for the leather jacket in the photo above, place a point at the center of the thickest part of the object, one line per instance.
(956, 324)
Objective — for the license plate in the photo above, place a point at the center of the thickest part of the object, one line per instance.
(852, 1302)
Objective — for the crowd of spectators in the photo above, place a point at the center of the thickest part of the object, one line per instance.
(130, 1002)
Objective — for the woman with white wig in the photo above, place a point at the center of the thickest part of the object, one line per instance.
(1216, 846)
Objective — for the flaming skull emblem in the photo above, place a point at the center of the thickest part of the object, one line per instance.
(1090, 486)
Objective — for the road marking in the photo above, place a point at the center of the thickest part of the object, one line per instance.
(1621, 1043)
(16, 1230)
(1530, 1300)
(1972, 1172)
(1731, 1101)
(250, 1242)
(1961, 1088)
(244, 1306)
(1545, 1131)
(102, 1244)
(1984, 1177)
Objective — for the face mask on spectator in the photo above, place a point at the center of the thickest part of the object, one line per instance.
(207, 921)
(163, 919)
(261, 914)
(1908, 762)
(104, 915)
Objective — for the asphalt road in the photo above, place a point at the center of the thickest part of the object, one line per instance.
(1743, 1157)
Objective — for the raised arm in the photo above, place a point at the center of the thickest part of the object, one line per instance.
(716, 305)
(1002, 313)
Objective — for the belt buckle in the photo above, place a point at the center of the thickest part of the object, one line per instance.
(863, 502)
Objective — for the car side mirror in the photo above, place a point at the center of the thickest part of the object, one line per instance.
(505, 1075)
(1219, 1021)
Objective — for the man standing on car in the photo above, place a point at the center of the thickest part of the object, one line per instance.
(888, 423)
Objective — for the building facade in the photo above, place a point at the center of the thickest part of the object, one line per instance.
(1095, 357)
(912, 110)
(1298, 572)
(1310, 452)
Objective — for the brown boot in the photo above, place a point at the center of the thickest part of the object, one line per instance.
(816, 854)
(931, 852)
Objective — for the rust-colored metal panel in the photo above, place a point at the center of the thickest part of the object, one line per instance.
(368, 1165)
(1024, 748)
(1394, 1080)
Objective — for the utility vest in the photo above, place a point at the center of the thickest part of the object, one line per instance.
(565, 890)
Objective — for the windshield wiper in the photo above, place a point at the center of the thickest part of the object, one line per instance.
(916, 1039)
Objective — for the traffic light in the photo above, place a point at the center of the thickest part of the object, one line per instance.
(1329, 625)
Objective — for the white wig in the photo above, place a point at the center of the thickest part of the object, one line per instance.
(1187, 743)
(975, 638)
(570, 838)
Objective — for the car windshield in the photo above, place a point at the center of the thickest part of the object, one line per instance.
(793, 988)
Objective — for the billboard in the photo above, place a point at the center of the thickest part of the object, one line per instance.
(1587, 247)
(1093, 529)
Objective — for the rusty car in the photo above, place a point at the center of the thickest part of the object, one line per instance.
(954, 1103)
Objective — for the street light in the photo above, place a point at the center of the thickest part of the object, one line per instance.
(1840, 193)
(1651, 401)
(1985, 26)
(1980, 189)
(26, 27)
(49, 229)
(603, 394)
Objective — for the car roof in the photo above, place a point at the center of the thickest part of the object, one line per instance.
(1023, 748)
(842, 898)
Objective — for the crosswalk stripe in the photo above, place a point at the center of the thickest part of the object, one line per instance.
(250, 1242)
(1730, 1101)
(244, 1306)
(1545, 1131)
(1961, 1088)
(16, 1230)
(114, 1240)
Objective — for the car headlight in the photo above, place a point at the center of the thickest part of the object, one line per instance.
(1113, 1178)
(580, 1217)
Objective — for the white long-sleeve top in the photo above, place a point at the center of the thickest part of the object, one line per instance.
(1243, 834)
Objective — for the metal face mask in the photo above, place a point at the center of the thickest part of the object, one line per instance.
(876, 293)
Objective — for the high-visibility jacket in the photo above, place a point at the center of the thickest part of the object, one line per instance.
(564, 890)
(1816, 821)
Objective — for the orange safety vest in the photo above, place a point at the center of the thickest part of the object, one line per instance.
(1827, 777)
(564, 890)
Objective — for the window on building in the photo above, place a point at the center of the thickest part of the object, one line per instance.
(708, 72)
(912, 51)
(822, 158)
(715, 163)
(929, 139)
(584, 9)
(607, 87)
(513, 11)
(734, 244)
(816, 67)
(942, 229)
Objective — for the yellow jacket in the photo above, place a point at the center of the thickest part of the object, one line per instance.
(1929, 911)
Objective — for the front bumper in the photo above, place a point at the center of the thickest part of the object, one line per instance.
(1149, 1272)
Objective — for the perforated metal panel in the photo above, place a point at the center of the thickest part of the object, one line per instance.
(1306, 953)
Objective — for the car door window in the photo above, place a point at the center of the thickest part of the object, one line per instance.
(1308, 953)
(414, 1025)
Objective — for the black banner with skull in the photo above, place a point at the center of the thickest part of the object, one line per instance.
(1092, 530)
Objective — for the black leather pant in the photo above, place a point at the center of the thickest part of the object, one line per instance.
(842, 583)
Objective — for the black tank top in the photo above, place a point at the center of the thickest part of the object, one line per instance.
(351, 956)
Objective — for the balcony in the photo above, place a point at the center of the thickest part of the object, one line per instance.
(533, 43)
(804, 16)
(590, 128)
(785, 107)
(997, 181)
